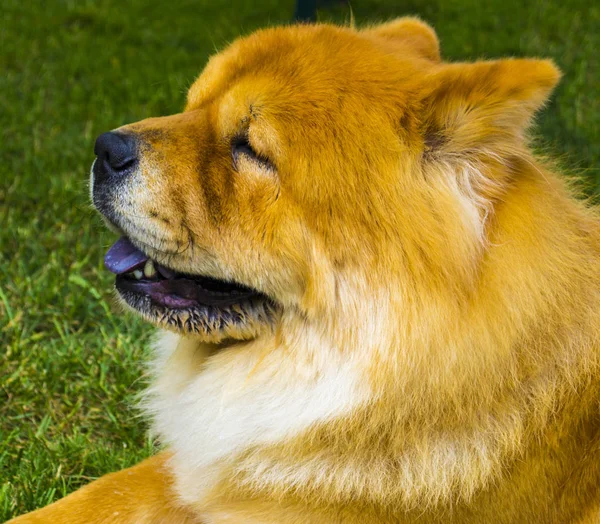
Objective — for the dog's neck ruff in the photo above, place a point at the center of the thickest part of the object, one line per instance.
(438, 429)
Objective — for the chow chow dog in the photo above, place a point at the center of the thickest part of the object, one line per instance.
(378, 305)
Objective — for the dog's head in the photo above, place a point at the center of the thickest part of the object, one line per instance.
(307, 156)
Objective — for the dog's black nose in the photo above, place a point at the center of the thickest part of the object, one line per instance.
(116, 154)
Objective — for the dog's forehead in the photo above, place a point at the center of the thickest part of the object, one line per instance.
(316, 60)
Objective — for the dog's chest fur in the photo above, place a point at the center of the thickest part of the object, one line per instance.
(209, 411)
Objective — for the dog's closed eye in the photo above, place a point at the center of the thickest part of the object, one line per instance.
(242, 149)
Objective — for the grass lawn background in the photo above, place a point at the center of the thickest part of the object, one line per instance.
(70, 362)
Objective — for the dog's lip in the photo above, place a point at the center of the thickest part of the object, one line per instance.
(167, 287)
(184, 292)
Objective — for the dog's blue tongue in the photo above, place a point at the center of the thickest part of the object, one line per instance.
(123, 257)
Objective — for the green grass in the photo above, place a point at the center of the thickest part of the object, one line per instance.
(70, 363)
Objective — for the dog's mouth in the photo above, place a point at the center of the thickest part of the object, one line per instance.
(214, 308)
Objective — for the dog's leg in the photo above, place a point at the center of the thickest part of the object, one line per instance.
(141, 494)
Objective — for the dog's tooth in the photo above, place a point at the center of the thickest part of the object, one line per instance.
(138, 274)
(149, 270)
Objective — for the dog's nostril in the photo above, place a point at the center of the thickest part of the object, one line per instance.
(116, 151)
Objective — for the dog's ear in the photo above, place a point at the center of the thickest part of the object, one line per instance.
(468, 107)
(473, 118)
(409, 32)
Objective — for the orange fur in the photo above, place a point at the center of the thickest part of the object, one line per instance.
(434, 354)
(142, 493)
